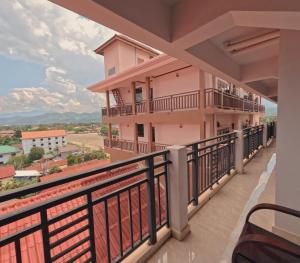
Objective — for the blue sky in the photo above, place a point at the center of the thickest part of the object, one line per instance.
(47, 58)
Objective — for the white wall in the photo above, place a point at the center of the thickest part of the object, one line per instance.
(54, 142)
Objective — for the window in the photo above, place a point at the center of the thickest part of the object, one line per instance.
(42, 144)
(33, 140)
(41, 139)
(111, 71)
(1, 156)
(49, 143)
(56, 142)
(138, 94)
(55, 138)
(13, 154)
(49, 139)
(50, 148)
(63, 137)
(140, 60)
(140, 130)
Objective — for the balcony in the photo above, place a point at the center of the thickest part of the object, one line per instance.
(107, 214)
(127, 145)
(213, 98)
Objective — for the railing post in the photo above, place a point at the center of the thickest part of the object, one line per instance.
(239, 151)
(195, 174)
(151, 213)
(265, 135)
(178, 192)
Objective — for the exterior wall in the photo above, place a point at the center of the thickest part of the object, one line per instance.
(186, 80)
(111, 58)
(5, 157)
(54, 142)
(176, 134)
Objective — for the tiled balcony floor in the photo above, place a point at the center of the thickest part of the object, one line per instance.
(215, 228)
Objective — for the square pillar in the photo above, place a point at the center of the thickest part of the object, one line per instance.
(239, 151)
(135, 138)
(110, 134)
(148, 88)
(133, 97)
(107, 103)
(178, 192)
(150, 135)
(287, 188)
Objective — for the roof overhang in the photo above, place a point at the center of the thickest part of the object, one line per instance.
(199, 30)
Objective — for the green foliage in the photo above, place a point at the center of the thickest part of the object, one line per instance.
(115, 133)
(104, 130)
(36, 153)
(9, 140)
(80, 130)
(55, 169)
(18, 133)
(80, 158)
(19, 162)
(13, 184)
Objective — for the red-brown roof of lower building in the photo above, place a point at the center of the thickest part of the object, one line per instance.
(7, 171)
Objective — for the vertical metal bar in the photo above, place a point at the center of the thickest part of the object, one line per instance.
(195, 174)
(45, 235)
(107, 231)
(130, 217)
(151, 201)
(158, 199)
(91, 227)
(120, 225)
(18, 251)
(167, 190)
(140, 213)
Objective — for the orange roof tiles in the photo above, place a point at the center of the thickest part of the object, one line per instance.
(42, 134)
(31, 245)
(7, 171)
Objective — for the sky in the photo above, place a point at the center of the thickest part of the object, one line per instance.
(47, 59)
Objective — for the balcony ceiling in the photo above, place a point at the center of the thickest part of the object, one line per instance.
(199, 30)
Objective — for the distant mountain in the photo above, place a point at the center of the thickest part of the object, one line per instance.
(271, 111)
(49, 118)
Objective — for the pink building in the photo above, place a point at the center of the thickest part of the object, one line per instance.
(157, 100)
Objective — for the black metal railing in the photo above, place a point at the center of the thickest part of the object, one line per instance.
(271, 130)
(253, 139)
(100, 222)
(207, 162)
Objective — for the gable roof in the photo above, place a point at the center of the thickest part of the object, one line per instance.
(4, 149)
(32, 244)
(7, 171)
(127, 40)
(42, 134)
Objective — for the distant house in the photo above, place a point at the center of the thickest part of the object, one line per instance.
(7, 133)
(6, 173)
(48, 140)
(27, 174)
(6, 152)
(64, 151)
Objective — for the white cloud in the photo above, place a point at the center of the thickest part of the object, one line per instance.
(60, 41)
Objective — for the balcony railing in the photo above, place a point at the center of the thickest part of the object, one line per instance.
(90, 218)
(208, 161)
(128, 145)
(214, 97)
(253, 139)
(100, 222)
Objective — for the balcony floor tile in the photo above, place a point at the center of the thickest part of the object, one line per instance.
(215, 228)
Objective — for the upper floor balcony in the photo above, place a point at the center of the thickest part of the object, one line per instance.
(126, 210)
(211, 99)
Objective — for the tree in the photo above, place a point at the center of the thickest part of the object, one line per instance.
(55, 169)
(17, 161)
(36, 153)
(104, 130)
(18, 133)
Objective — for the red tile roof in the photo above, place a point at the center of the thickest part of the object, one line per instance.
(31, 245)
(7, 171)
(42, 134)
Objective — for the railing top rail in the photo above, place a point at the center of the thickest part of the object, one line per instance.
(8, 195)
(210, 139)
(177, 94)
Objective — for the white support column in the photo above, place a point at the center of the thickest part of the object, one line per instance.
(287, 189)
(178, 192)
(265, 135)
(239, 152)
